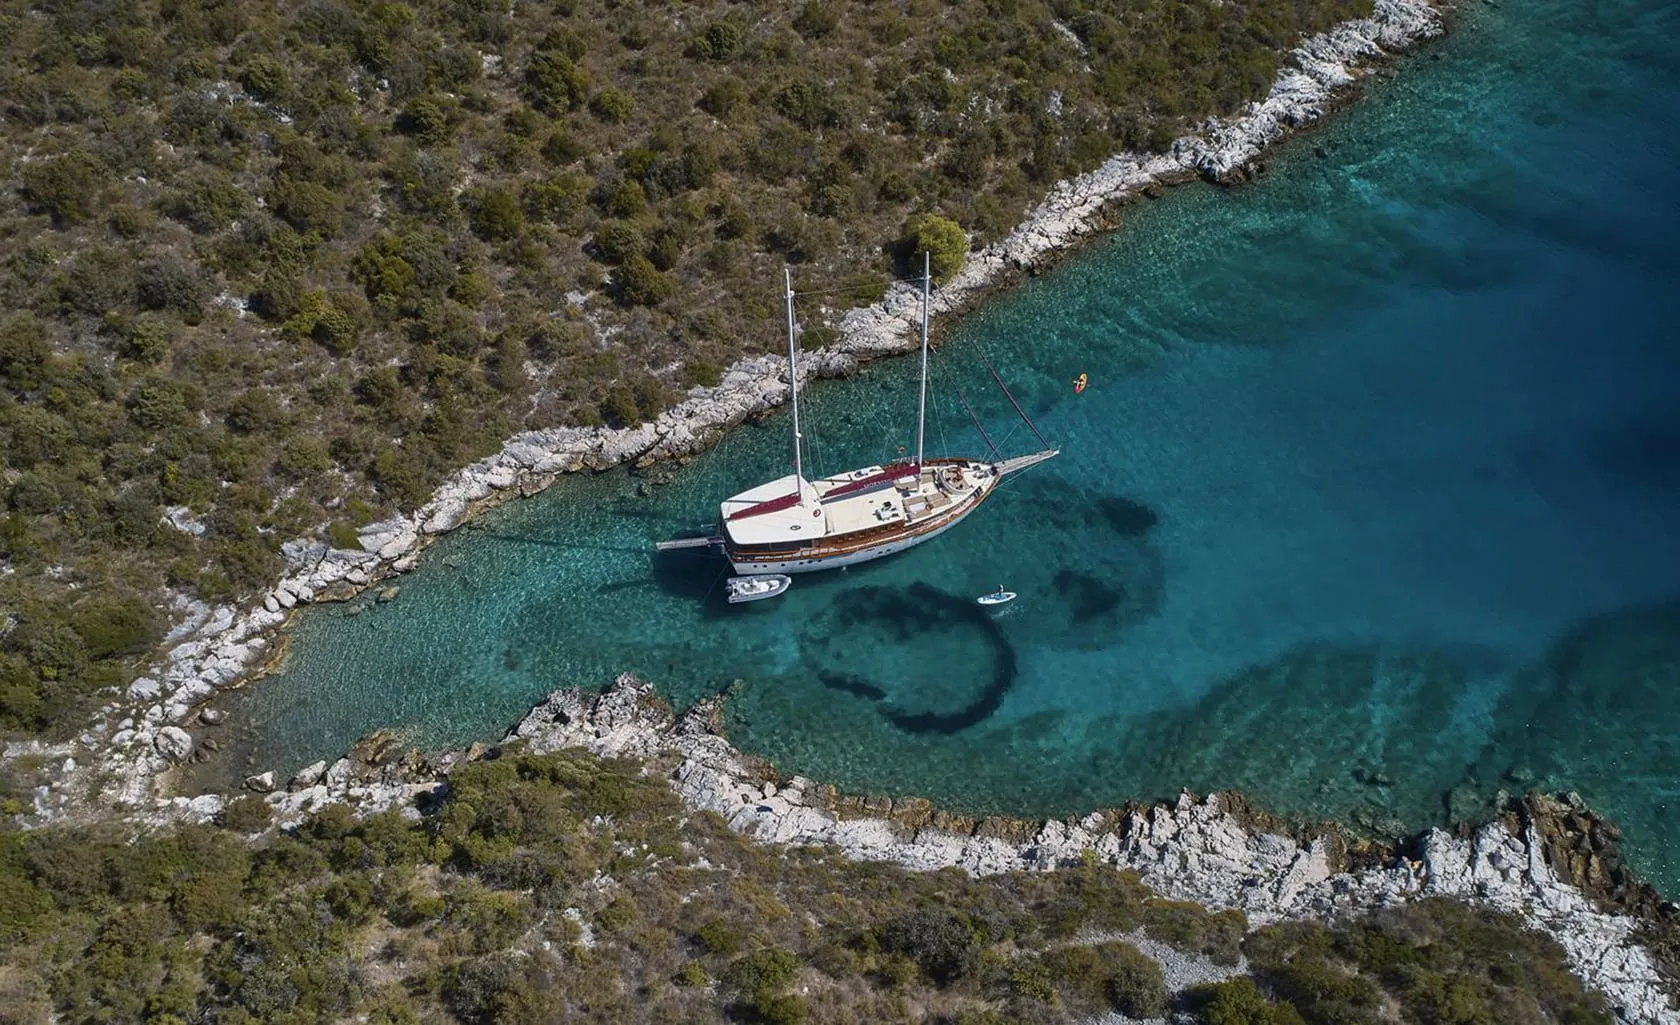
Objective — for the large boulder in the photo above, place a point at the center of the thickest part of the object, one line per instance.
(307, 776)
(174, 743)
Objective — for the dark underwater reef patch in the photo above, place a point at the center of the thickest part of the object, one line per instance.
(851, 685)
(1086, 596)
(1128, 518)
(904, 616)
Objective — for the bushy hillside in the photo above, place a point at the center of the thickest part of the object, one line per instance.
(281, 266)
(563, 888)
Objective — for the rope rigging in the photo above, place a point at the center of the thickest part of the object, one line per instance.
(892, 430)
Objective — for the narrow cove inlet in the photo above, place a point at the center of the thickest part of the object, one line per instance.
(1368, 508)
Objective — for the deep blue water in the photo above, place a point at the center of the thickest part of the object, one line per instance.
(1378, 473)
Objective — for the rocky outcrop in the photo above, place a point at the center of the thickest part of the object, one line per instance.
(1200, 850)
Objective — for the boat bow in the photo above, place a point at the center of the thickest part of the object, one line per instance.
(1015, 464)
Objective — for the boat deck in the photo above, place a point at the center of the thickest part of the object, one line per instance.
(853, 503)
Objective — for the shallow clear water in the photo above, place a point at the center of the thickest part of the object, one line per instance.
(1378, 473)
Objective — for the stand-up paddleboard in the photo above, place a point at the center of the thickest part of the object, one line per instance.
(996, 598)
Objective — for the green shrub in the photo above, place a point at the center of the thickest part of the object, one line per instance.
(816, 19)
(67, 187)
(942, 239)
(815, 338)
(116, 624)
(618, 241)
(172, 285)
(554, 83)
(701, 373)
(265, 78)
(25, 352)
(626, 199)
(207, 201)
(719, 42)
(618, 407)
(1032, 979)
(307, 206)
(556, 200)
(691, 975)
(612, 105)
(246, 814)
(782, 1009)
(425, 119)
(495, 213)
(766, 971)
(639, 283)
(720, 936)
(1239, 1001)
(941, 942)
(722, 97)
(1192, 927)
(620, 914)
(1136, 987)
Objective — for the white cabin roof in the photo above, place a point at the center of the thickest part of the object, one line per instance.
(793, 521)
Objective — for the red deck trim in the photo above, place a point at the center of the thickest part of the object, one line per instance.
(767, 506)
(890, 473)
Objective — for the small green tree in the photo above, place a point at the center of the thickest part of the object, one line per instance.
(719, 42)
(425, 119)
(554, 83)
(942, 239)
(265, 78)
(612, 106)
(721, 98)
(495, 213)
(640, 283)
(66, 187)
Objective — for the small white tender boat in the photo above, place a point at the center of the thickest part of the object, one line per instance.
(996, 598)
(757, 586)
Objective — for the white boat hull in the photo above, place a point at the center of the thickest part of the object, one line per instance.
(757, 587)
(838, 561)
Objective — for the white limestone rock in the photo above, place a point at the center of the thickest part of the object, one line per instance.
(445, 515)
(308, 776)
(399, 545)
(174, 743)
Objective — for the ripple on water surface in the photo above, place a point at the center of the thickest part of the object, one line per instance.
(1369, 509)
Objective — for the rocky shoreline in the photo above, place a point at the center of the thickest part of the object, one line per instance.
(1546, 860)
(119, 760)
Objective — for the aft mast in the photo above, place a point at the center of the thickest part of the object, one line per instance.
(921, 405)
(793, 391)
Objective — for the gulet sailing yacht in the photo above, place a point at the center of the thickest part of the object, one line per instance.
(795, 525)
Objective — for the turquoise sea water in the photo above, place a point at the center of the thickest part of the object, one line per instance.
(1378, 478)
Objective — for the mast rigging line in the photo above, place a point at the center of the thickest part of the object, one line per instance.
(977, 425)
(1042, 440)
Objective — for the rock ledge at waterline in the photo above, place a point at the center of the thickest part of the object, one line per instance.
(118, 761)
(1209, 851)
